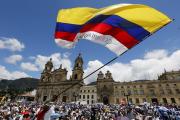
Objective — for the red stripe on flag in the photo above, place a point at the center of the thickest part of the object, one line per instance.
(65, 35)
(122, 36)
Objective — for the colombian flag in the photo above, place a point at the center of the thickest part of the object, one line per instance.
(117, 27)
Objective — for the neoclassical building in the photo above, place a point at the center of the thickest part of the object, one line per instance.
(166, 89)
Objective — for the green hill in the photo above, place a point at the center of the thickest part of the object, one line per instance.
(18, 86)
(21, 83)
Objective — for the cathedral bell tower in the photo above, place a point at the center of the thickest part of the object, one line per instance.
(78, 69)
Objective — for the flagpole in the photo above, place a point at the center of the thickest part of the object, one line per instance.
(105, 64)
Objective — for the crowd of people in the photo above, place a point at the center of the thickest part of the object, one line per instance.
(73, 111)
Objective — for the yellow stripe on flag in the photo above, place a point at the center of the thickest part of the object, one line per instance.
(142, 15)
(76, 16)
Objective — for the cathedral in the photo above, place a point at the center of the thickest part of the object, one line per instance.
(52, 83)
(54, 86)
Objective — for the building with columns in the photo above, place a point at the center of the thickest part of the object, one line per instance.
(166, 89)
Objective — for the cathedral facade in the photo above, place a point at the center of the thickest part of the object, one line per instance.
(54, 85)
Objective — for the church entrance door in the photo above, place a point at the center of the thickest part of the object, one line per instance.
(64, 98)
(154, 100)
(105, 100)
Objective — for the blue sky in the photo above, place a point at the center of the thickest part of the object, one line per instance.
(32, 23)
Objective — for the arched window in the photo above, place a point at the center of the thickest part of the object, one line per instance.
(79, 64)
(75, 76)
(76, 65)
(44, 98)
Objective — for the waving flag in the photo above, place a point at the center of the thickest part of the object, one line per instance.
(118, 27)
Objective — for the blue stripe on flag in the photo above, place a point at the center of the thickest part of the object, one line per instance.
(116, 21)
(132, 29)
(65, 27)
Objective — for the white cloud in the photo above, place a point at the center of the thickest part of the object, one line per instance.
(11, 44)
(66, 55)
(5, 74)
(18, 74)
(57, 59)
(28, 66)
(149, 67)
(13, 59)
(31, 58)
(157, 54)
(91, 66)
